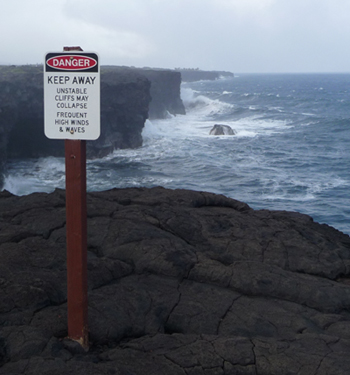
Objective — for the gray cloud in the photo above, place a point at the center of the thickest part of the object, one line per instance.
(236, 35)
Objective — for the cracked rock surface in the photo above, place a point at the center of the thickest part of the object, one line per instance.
(180, 282)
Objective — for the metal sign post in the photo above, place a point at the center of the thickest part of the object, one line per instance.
(72, 112)
(76, 222)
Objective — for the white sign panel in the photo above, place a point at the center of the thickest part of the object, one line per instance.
(72, 95)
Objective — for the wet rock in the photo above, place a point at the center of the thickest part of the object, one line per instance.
(219, 129)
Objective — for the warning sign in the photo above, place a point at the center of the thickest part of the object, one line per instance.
(72, 95)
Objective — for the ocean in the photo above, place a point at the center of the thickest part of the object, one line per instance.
(291, 150)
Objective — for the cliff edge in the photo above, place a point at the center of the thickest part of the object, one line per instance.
(192, 75)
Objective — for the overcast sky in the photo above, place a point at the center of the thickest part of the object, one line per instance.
(236, 35)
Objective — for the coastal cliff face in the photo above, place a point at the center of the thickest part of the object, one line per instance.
(125, 99)
(128, 97)
(164, 90)
(21, 115)
(165, 93)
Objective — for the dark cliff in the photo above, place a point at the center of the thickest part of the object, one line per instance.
(164, 90)
(125, 99)
(128, 97)
(165, 93)
(21, 114)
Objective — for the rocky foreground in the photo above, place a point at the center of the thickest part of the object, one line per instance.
(180, 283)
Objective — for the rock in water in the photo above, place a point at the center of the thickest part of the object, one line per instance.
(180, 282)
(222, 130)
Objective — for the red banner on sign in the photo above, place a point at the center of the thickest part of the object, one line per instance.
(71, 62)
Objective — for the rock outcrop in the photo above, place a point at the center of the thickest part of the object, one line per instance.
(219, 129)
(180, 283)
